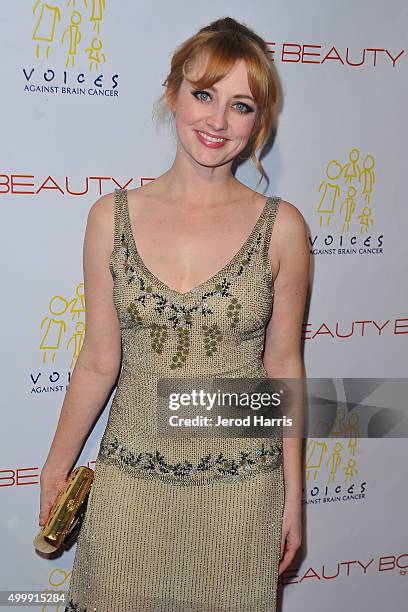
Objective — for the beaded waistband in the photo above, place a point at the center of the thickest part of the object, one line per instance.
(208, 469)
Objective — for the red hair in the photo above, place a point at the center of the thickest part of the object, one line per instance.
(223, 43)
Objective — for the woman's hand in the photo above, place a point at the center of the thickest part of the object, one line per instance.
(291, 538)
(51, 483)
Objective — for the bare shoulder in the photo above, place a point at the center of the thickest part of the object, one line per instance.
(103, 207)
(289, 247)
(100, 223)
(290, 229)
(289, 220)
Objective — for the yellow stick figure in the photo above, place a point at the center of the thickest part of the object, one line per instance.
(98, 6)
(54, 328)
(331, 191)
(78, 302)
(315, 453)
(77, 339)
(352, 169)
(45, 27)
(94, 53)
(338, 427)
(365, 219)
(353, 433)
(369, 177)
(350, 469)
(350, 204)
(334, 460)
(74, 37)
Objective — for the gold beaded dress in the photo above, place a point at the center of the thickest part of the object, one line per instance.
(194, 524)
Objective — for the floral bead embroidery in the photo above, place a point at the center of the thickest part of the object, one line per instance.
(155, 462)
(233, 311)
(134, 313)
(212, 335)
(181, 316)
(183, 347)
(158, 335)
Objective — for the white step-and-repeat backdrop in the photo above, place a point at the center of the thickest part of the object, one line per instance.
(78, 82)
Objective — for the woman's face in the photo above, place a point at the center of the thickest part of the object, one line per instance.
(215, 124)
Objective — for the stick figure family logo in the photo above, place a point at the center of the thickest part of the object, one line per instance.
(76, 26)
(335, 410)
(63, 329)
(337, 457)
(347, 192)
(342, 411)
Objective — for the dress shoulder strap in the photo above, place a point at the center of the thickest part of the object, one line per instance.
(269, 222)
(120, 202)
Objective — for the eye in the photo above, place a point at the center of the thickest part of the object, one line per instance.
(247, 109)
(243, 108)
(198, 93)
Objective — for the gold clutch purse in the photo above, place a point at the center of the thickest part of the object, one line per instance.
(67, 513)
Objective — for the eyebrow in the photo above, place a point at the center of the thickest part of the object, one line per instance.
(237, 95)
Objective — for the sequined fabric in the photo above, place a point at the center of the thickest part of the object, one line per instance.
(188, 524)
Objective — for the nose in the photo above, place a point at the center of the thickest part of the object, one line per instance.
(217, 118)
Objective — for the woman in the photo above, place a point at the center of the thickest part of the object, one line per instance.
(187, 291)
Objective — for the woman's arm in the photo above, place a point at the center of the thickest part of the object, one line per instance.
(98, 363)
(289, 254)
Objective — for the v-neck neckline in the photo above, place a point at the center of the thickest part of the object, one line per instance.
(201, 285)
